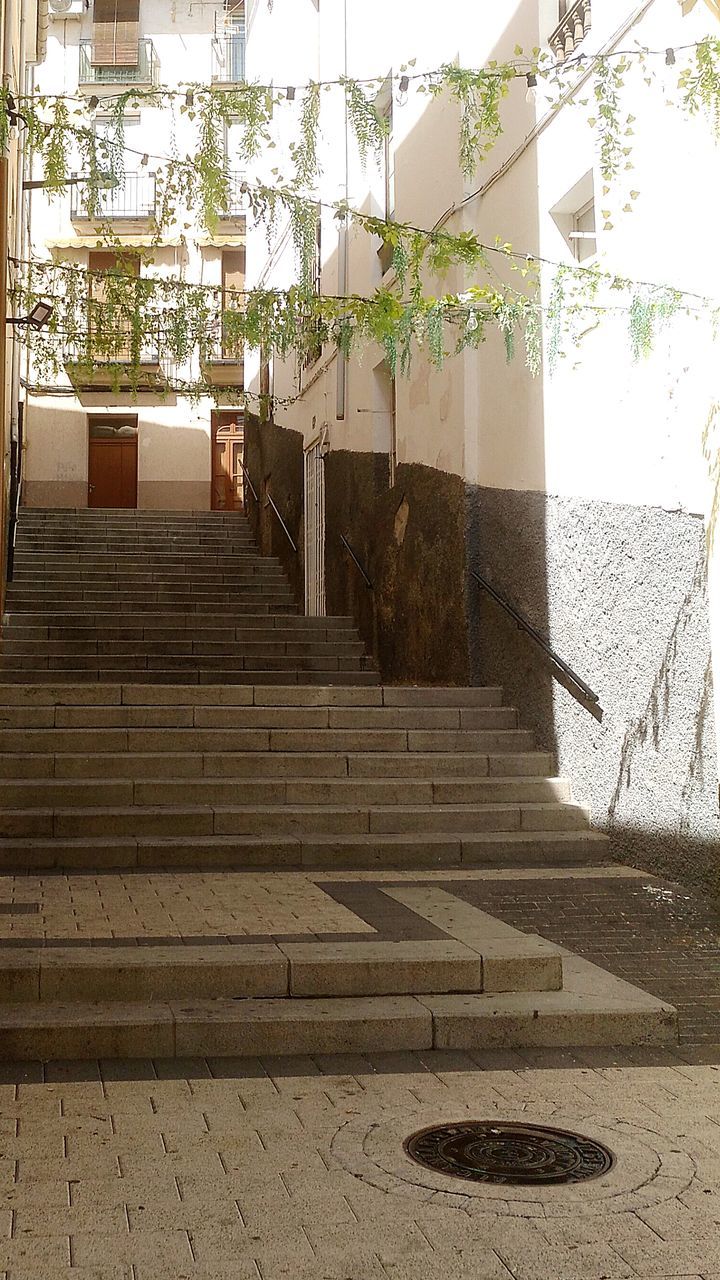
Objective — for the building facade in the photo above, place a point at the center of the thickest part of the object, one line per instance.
(23, 40)
(586, 495)
(91, 439)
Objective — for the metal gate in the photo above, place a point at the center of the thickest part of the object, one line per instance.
(315, 531)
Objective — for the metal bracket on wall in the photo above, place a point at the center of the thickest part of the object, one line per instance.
(588, 695)
(356, 562)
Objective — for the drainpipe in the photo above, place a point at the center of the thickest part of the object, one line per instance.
(342, 364)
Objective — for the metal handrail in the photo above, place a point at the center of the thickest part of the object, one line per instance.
(288, 535)
(249, 482)
(540, 639)
(356, 562)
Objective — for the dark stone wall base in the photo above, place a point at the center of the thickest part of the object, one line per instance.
(619, 591)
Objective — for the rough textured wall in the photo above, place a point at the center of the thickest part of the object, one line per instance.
(410, 540)
(620, 592)
(274, 460)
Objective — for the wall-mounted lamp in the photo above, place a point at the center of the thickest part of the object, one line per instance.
(37, 318)
(106, 182)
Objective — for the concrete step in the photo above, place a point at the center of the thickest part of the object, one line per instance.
(147, 620)
(615, 1014)
(307, 851)
(217, 661)
(121, 817)
(486, 741)
(122, 648)
(202, 673)
(65, 693)
(198, 970)
(210, 716)
(482, 771)
(103, 791)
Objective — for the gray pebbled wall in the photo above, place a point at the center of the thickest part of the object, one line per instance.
(620, 592)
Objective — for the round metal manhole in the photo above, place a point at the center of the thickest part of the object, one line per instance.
(504, 1153)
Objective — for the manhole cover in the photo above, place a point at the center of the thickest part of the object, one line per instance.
(509, 1154)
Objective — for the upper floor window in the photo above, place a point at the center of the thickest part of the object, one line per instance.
(116, 33)
(228, 62)
(573, 25)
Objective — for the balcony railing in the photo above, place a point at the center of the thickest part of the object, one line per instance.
(572, 28)
(146, 70)
(228, 58)
(113, 367)
(133, 200)
(236, 201)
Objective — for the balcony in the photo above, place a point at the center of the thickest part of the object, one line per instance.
(574, 25)
(222, 362)
(145, 74)
(112, 369)
(132, 201)
(234, 210)
(228, 58)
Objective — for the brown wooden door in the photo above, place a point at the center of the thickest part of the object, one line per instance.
(112, 464)
(227, 490)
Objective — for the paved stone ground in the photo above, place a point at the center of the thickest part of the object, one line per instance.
(258, 1170)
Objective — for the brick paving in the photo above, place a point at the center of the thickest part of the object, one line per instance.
(660, 936)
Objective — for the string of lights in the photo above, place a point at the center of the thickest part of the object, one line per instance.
(516, 68)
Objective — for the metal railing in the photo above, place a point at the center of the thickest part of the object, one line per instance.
(145, 71)
(111, 348)
(356, 562)
(574, 24)
(249, 482)
(134, 198)
(236, 190)
(269, 503)
(228, 57)
(541, 640)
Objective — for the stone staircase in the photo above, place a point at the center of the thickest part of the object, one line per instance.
(165, 598)
(133, 761)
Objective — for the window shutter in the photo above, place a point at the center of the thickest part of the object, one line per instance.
(116, 33)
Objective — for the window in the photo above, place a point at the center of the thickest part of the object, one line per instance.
(315, 327)
(385, 417)
(582, 236)
(574, 217)
(116, 33)
(116, 345)
(233, 283)
(384, 106)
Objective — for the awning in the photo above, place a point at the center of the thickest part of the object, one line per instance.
(95, 242)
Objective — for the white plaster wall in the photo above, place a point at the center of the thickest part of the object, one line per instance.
(174, 433)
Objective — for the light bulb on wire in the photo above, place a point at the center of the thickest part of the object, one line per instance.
(531, 95)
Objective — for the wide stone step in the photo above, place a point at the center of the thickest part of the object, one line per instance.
(215, 660)
(283, 969)
(65, 693)
(534, 770)
(122, 648)
(119, 634)
(201, 673)
(104, 791)
(310, 851)
(209, 740)
(120, 818)
(173, 561)
(615, 1014)
(179, 715)
(238, 619)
